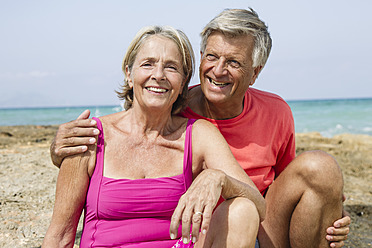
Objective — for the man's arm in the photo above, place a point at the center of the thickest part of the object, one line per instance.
(73, 137)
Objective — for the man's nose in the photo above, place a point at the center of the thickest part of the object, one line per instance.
(220, 67)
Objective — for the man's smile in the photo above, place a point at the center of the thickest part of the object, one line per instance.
(218, 84)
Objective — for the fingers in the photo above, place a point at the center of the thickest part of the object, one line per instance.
(74, 146)
(345, 221)
(342, 231)
(76, 128)
(337, 244)
(187, 215)
(175, 220)
(83, 123)
(186, 224)
(337, 235)
(77, 132)
(196, 206)
(207, 216)
(73, 137)
(333, 238)
(77, 137)
(196, 223)
(84, 115)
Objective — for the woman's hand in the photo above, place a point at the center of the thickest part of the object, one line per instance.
(337, 233)
(73, 138)
(196, 205)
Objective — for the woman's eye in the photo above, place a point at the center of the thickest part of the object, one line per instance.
(146, 64)
(172, 67)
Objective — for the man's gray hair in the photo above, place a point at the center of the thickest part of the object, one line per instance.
(236, 22)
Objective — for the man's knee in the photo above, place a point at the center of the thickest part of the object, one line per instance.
(321, 172)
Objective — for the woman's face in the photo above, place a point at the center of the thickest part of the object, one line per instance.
(157, 75)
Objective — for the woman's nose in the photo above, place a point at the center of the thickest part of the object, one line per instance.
(158, 73)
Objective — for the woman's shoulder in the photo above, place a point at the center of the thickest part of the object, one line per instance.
(112, 117)
(204, 130)
(204, 124)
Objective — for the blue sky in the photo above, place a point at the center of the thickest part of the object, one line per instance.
(69, 53)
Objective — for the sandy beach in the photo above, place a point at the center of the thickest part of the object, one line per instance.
(28, 178)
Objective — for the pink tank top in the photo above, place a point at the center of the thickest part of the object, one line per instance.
(133, 213)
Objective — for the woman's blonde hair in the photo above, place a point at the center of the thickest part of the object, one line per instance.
(188, 62)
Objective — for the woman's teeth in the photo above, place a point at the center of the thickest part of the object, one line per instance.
(157, 90)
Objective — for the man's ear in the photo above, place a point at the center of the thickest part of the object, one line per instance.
(256, 71)
(127, 73)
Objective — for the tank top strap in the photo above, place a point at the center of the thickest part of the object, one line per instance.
(98, 170)
(187, 159)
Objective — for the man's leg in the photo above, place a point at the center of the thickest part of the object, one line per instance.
(302, 202)
(234, 224)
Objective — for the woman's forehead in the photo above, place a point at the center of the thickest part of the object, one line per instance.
(159, 47)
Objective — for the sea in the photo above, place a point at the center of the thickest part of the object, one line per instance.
(328, 117)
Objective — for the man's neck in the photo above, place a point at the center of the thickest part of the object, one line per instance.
(200, 105)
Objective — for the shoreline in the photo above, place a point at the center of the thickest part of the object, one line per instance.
(28, 178)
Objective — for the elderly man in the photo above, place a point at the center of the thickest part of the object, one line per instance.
(303, 194)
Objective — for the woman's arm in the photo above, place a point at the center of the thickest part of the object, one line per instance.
(222, 176)
(72, 185)
(218, 156)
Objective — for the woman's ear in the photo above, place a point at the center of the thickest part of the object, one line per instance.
(127, 73)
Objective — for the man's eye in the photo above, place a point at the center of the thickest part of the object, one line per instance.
(211, 57)
(234, 63)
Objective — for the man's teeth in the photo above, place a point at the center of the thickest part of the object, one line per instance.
(217, 83)
(158, 90)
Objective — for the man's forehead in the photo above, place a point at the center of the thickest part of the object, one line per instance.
(231, 38)
(220, 41)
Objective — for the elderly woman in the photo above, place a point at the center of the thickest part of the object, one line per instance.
(153, 170)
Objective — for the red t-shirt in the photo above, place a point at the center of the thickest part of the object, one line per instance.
(262, 137)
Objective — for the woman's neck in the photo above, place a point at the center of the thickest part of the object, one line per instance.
(151, 123)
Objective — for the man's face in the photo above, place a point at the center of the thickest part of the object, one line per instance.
(226, 69)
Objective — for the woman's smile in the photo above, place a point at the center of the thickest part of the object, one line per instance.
(156, 90)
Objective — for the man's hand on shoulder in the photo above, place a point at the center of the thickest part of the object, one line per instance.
(73, 137)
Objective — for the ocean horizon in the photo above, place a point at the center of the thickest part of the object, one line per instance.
(329, 117)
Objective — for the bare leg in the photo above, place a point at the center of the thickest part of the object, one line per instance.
(234, 224)
(302, 202)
